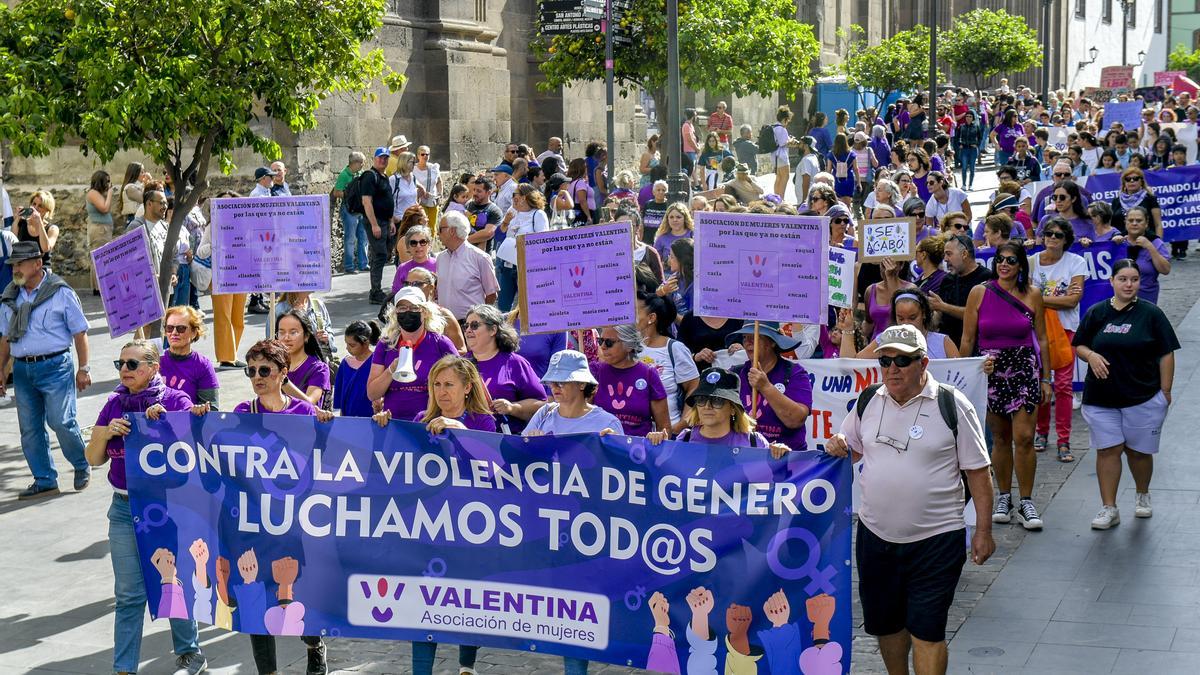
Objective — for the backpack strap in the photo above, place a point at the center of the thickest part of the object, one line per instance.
(864, 398)
(947, 408)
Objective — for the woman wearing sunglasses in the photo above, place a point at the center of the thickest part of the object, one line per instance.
(414, 322)
(944, 200)
(908, 307)
(627, 387)
(511, 383)
(1135, 192)
(878, 296)
(418, 242)
(1068, 205)
(183, 368)
(142, 390)
(1004, 321)
(716, 416)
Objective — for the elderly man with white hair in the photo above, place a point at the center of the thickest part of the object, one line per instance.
(279, 186)
(466, 275)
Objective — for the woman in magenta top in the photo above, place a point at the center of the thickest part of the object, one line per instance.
(1003, 320)
(627, 387)
(142, 390)
(413, 321)
(419, 243)
(512, 385)
(182, 367)
(879, 297)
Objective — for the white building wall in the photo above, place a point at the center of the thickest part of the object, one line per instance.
(1091, 30)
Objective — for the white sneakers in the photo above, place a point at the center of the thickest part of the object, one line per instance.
(1143, 509)
(1106, 518)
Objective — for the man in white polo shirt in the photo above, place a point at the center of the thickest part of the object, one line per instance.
(916, 436)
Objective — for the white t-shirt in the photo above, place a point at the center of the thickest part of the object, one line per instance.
(428, 179)
(504, 195)
(404, 193)
(5, 203)
(1053, 281)
(1091, 157)
(954, 201)
(807, 166)
(534, 220)
(685, 370)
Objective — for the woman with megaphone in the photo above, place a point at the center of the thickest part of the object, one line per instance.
(412, 342)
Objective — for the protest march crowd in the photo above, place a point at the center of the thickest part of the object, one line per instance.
(446, 348)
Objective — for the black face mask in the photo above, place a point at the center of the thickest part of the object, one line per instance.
(409, 321)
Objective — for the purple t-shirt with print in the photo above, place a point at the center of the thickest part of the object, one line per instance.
(312, 373)
(189, 373)
(295, 406)
(173, 400)
(798, 389)
(627, 393)
(405, 399)
(731, 439)
(510, 377)
(473, 421)
(404, 268)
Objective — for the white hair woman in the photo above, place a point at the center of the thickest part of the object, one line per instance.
(629, 388)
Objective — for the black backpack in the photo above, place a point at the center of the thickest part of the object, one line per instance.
(766, 139)
(945, 397)
(354, 192)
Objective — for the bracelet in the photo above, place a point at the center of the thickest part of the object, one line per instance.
(1047, 380)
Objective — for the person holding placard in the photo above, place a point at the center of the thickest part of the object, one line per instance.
(782, 388)
(679, 285)
(510, 381)
(628, 388)
(412, 322)
(878, 296)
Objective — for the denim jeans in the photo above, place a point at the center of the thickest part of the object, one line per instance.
(354, 236)
(966, 161)
(506, 274)
(423, 654)
(1002, 157)
(131, 595)
(46, 396)
(185, 292)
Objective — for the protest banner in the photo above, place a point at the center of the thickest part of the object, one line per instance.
(762, 267)
(128, 283)
(1116, 77)
(1128, 113)
(585, 546)
(1154, 94)
(577, 278)
(841, 276)
(1098, 95)
(1165, 78)
(1177, 190)
(1057, 137)
(271, 244)
(894, 238)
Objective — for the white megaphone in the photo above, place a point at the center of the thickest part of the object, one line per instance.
(403, 371)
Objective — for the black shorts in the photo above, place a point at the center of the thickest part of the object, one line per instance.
(909, 586)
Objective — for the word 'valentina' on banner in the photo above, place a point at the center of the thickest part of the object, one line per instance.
(677, 557)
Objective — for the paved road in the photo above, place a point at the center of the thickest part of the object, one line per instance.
(1066, 598)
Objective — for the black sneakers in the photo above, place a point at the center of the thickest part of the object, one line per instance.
(35, 491)
(316, 660)
(82, 479)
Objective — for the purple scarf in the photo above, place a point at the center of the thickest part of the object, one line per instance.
(1128, 201)
(142, 400)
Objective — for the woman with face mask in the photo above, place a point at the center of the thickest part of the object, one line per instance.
(413, 323)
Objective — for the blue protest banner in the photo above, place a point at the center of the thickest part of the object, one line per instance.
(1177, 190)
(1128, 113)
(677, 557)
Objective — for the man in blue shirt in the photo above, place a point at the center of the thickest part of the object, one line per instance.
(40, 316)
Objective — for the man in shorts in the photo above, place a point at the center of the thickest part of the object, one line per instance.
(915, 436)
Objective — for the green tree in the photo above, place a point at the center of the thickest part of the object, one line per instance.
(984, 42)
(182, 81)
(739, 47)
(899, 63)
(1181, 59)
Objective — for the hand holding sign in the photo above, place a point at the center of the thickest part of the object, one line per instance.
(894, 238)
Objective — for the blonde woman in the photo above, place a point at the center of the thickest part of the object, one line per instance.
(33, 223)
(650, 159)
(412, 321)
(676, 224)
(403, 184)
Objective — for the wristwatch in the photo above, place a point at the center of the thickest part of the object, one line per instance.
(85, 369)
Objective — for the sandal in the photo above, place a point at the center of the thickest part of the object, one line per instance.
(1064, 454)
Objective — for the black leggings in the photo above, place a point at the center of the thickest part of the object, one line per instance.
(263, 647)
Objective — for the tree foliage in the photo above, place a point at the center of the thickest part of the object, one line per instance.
(984, 42)
(1181, 59)
(183, 81)
(899, 63)
(739, 47)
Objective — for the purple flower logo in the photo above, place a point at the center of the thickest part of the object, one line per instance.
(576, 274)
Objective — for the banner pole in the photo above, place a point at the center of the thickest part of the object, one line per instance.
(754, 364)
(271, 317)
(579, 340)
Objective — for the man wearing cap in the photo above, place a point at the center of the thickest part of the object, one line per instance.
(263, 177)
(40, 316)
(809, 166)
(915, 437)
(398, 145)
(279, 186)
(782, 387)
(378, 208)
(505, 186)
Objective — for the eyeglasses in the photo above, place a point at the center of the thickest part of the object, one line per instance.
(607, 343)
(474, 325)
(128, 364)
(1062, 175)
(419, 242)
(1054, 234)
(1061, 198)
(261, 371)
(417, 284)
(181, 329)
(1133, 179)
(707, 402)
(901, 361)
(1008, 260)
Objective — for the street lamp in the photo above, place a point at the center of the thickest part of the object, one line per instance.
(1126, 5)
(1046, 50)
(1141, 57)
(1093, 52)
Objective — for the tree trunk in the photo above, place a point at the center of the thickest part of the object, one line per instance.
(185, 200)
(660, 112)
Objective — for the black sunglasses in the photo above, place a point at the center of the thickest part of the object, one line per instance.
(129, 364)
(840, 221)
(1055, 234)
(700, 401)
(1133, 179)
(901, 361)
(1062, 175)
(474, 325)
(958, 226)
(419, 242)
(1008, 260)
(1061, 198)
(416, 284)
(175, 329)
(607, 343)
(261, 371)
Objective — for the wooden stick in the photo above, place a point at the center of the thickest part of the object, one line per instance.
(579, 339)
(271, 317)
(754, 365)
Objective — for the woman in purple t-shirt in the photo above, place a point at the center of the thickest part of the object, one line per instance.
(308, 375)
(513, 386)
(414, 322)
(628, 388)
(418, 242)
(783, 387)
(142, 389)
(676, 224)
(457, 399)
(183, 368)
(716, 416)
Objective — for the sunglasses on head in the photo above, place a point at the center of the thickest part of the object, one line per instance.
(181, 329)
(607, 343)
(901, 361)
(707, 402)
(1008, 260)
(128, 364)
(1054, 234)
(261, 371)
